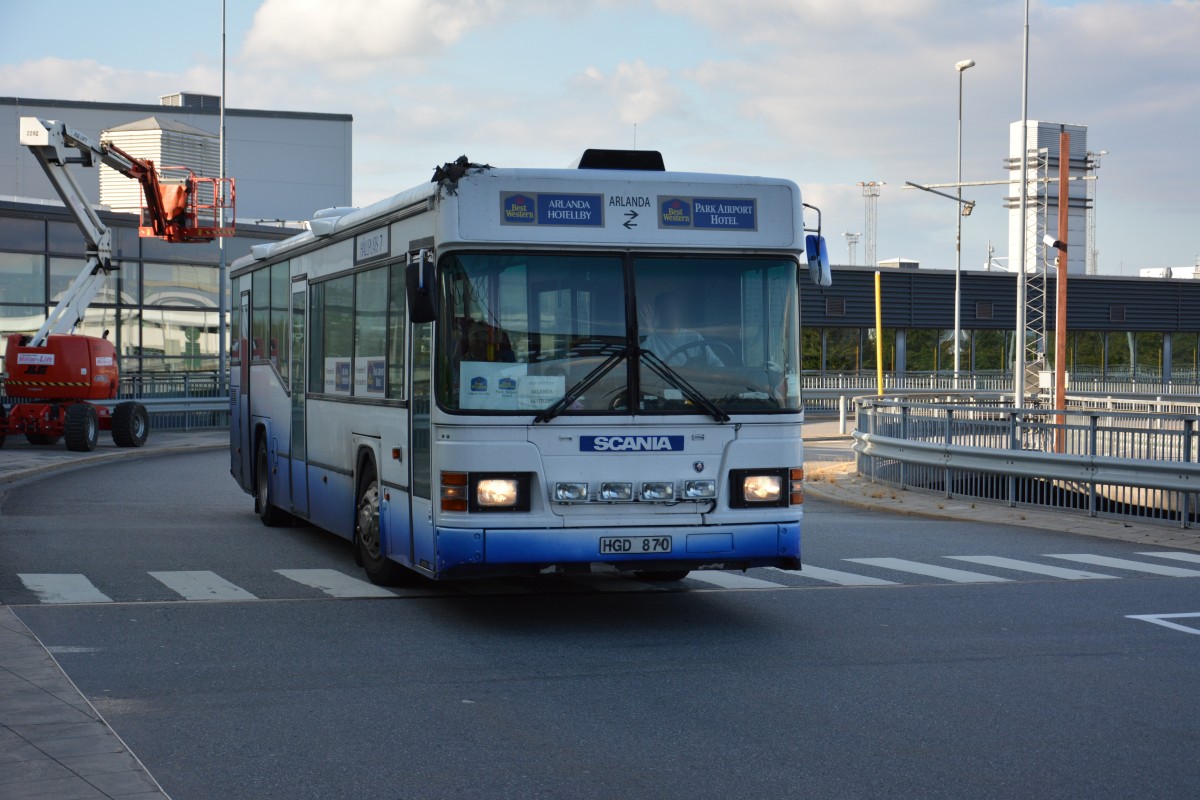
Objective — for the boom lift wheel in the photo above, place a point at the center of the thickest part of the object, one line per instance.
(130, 424)
(81, 429)
(272, 516)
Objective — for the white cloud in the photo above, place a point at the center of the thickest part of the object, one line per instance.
(638, 92)
(351, 38)
(87, 79)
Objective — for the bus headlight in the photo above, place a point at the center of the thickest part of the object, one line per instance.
(761, 488)
(616, 492)
(658, 491)
(699, 490)
(483, 491)
(496, 492)
(755, 488)
(571, 492)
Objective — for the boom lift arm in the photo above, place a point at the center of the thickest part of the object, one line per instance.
(170, 209)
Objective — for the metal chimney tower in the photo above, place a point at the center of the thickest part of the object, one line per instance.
(870, 190)
(851, 246)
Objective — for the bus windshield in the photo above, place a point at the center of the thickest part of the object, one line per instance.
(518, 332)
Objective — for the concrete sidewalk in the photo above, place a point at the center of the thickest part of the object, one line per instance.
(53, 743)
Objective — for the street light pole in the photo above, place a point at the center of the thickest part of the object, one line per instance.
(961, 66)
(1019, 348)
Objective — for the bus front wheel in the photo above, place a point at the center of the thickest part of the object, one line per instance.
(381, 570)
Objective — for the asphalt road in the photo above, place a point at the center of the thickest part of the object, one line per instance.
(883, 677)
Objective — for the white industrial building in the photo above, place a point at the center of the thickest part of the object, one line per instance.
(287, 164)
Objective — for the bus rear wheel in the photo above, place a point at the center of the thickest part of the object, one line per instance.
(380, 569)
(271, 515)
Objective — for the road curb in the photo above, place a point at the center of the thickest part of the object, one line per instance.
(994, 513)
(43, 470)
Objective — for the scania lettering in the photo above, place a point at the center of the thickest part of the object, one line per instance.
(488, 375)
(657, 443)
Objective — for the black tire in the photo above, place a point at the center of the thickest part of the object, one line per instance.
(271, 515)
(130, 425)
(82, 428)
(662, 576)
(3, 425)
(42, 439)
(380, 569)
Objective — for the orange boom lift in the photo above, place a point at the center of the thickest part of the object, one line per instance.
(56, 375)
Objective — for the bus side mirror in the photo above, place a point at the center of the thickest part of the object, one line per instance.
(419, 283)
(818, 260)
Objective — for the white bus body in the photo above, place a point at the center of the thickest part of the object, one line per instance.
(612, 380)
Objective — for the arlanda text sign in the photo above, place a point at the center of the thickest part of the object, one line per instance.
(708, 213)
(541, 208)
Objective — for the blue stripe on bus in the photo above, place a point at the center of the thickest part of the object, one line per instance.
(764, 542)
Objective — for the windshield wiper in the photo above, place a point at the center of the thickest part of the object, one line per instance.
(660, 368)
(582, 385)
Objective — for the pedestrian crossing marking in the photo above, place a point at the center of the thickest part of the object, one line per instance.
(1164, 620)
(334, 583)
(1133, 566)
(931, 570)
(1192, 557)
(731, 580)
(1036, 569)
(834, 576)
(201, 585)
(63, 588)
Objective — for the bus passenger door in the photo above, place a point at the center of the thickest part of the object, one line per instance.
(239, 422)
(298, 375)
(421, 447)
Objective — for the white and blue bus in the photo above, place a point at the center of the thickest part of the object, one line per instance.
(526, 371)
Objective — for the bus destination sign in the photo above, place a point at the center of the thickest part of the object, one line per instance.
(541, 208)
(708, 213)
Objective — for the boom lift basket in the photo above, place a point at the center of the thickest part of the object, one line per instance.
(191, 207)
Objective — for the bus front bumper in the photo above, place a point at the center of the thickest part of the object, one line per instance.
(476, 552)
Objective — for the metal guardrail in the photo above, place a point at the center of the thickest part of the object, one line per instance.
(175, 401)
(1100, 462)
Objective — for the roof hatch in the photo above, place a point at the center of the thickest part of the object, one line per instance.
(642, 160)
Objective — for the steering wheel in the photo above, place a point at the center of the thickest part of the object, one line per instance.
(716, 345)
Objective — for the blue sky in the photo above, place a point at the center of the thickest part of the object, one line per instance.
(825, 92)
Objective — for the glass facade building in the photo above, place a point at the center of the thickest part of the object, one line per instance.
(160, 308)
(1118, 328)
